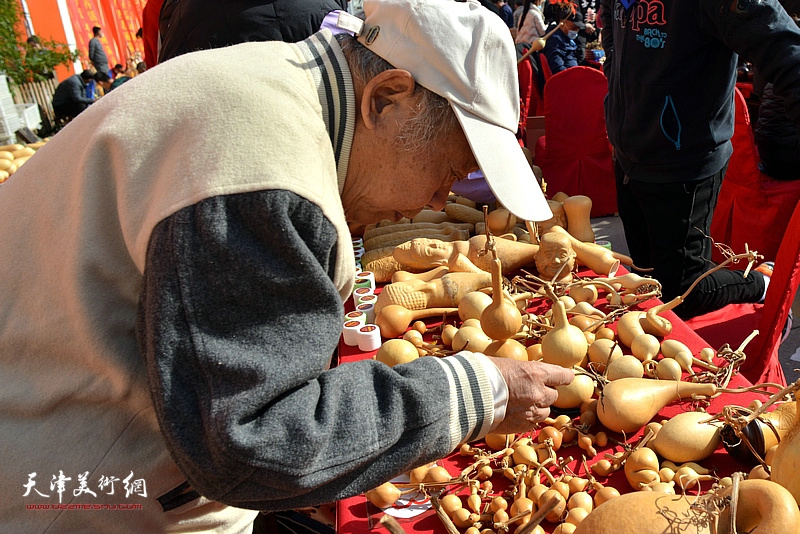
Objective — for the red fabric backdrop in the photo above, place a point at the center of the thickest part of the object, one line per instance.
(120, 19)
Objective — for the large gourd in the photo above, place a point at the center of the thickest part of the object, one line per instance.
(763, 508)
(786, 464)
(686, 438)
(627, 404)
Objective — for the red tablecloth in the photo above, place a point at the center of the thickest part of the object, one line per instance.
(357, 515)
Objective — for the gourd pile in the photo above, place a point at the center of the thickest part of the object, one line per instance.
(626, 372)
(12, 157)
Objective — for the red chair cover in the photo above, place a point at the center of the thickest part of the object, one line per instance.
(751, 207)
(733, 323)
(575, 155)
(526, 89)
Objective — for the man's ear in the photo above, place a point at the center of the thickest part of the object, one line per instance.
(383, 93)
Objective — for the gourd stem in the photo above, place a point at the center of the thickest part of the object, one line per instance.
(734, 501)
(773, 399)
(538, 516)
(680, 298)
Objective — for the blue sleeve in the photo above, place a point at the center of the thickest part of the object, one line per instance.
(556, 58)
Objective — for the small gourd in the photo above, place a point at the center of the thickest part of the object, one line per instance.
(501, 319)
(564, 345)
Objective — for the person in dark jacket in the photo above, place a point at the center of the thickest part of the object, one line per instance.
(69, 98)
(776, 137)
(190, 25)
(561, 49)
(671, 67)
(97, 55)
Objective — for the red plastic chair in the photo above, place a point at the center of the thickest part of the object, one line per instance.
(751, 207)
(574, 154)
(733, 323)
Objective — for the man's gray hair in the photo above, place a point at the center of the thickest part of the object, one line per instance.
(434, 118)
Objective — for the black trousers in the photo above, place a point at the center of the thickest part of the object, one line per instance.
(69, 110)
(666, 227)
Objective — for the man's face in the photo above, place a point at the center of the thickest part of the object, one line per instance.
(554, 251)
(423, 253)
(387, 181)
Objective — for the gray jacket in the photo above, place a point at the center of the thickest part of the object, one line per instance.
(97, 55)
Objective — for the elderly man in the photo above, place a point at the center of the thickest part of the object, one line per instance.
(174, 280)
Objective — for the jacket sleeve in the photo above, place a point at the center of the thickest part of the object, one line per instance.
(555, 57)
(78, 93)
(238, 321)
(606, 15)
(763, 33)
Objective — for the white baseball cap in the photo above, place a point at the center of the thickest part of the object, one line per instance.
(464, 53)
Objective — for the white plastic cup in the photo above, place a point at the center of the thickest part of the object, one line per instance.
(369, 338)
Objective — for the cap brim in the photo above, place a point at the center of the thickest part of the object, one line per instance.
(506, 169)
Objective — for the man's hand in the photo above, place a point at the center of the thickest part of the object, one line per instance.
(531, 391)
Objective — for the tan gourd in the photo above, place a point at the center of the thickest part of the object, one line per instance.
(564, 345)
(460, 212)
(500, 221)
(384, 495)
(584, 308)
(393, 320)
(427, 276)
(668, 369)
(377, 231)
(396, 351)
(596, 258)
(631, 281)
(501, 319)
(470, 338)
(443, 292)
(534, 352)
(507, 348)
(584, 293)
(575, 393)
(684, 438)
(431, 217)
(763, 508)
(472, 304)
(11, 148)
(786, 463)
(627, 404)
(625, 367)
(578, 209)
(645, 347)
(603, 351)
(6, 155)
(629, 327)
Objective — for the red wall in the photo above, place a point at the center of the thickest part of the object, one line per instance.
(120, 19)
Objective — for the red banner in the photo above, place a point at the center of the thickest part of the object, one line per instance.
(119, 19)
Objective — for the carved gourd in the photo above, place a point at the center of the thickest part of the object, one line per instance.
(578, 209)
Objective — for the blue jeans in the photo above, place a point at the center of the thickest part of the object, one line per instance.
(666, 227)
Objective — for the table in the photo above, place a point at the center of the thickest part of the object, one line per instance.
(357, 515)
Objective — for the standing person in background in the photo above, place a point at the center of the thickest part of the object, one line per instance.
(505, 12)
(97, 55)
(670, 116)
(190, 25)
